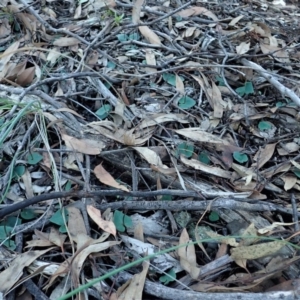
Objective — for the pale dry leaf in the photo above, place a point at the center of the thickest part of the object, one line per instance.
(107, 226)
(149, 35)
(56, 237)
(107, 179)
(85, 146)
(289, 181)
(235, 20)
(65, 42)
(197, 10)
(242, 48)
(138, 233)
(187, 255)
(7, 54)
(288, 148)
(256, 251)
(149, 155)
(151, 60)
(136, 11)
(12, 274)
(179, 85)
(272, 227)
(79, 258)
(263, 155)
(198, 165)
(75, 221)
(217, 101)
(135, 288)
(161, 118)
(26, 77)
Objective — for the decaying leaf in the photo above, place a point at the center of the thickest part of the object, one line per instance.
(107, 179)
(188, 256)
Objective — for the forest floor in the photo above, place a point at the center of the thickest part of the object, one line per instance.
(149, 149)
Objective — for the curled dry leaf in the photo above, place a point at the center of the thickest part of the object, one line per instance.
(107, 179)
(134, 290)
(85, 146)
(105, 225)
(188, 256)
(196, 164)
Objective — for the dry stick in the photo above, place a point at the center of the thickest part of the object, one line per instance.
(162, 292)
(148, 205)
(272, 79)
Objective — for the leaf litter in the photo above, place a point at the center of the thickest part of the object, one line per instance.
(199, 99)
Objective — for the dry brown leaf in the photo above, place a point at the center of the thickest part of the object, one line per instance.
(217, 101)
(76, 225)
(263, 155)
(197, 10)
(179, 85)
(107, 179)
(198, 165)
(105, 225)
(188, 256)
(11, 275)
(134, 290)
(57, 238)
(6, 56)
(150, 35)
(149, 155)
(161, 118)
(289, 181)
(85, 146)
(26, 77)
(79, 258)
(242, 48)
(65, 42)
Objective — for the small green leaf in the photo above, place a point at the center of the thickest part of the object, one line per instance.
(171, 78)
(122, 37)
(104, 111)
(19, 171)
(213, 216)
(33, 158)
(166, 198)
(5, 232)
(10, 244)
(240, 157)
(11, 221)
(186, 102)
(240, 91)
(134, 37)
(68, 186)
(63, 229)
(280, 104)
(246, 89)
(128, 222)
(204, 158)
(264, 125)
(121, 221)
(58, 218)
(220, 81)
(249, 88)
(168, 277)
(185, 149)
(28, 214)
(296, 172)
(111, 65)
